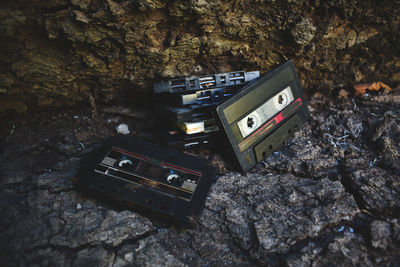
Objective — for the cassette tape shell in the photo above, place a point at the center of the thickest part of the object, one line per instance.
(272, 107)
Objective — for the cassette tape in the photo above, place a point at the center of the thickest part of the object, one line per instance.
(148, 177)
(259, 118)
(204, 82)
(186, 113)
(177, 139)
(204, 97)
(208, 125)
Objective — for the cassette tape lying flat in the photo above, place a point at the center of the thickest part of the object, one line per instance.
(151, 178)
(260, 117)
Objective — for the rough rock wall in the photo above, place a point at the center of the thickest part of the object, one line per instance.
(58, 52)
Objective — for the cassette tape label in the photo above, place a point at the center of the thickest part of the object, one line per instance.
(270, 125)
(255, 119)
(170, 179)
(256, 97)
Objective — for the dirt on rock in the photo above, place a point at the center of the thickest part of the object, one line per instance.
(330, 196)
(63, 52)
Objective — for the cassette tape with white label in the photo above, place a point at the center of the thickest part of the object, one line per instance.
(260, 117)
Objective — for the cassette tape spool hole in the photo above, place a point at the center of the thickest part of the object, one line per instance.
(174, 178)
(282, 100)
(252, 122)
(125, 163)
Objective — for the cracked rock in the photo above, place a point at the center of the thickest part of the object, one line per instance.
(59, 179)
(283, 209)
(387, 139)
(303, 157)
(98, 226)
(298, 207)
(380, 234)
(262, 215)
(396, 229)
(12, 177)
(96, 256)
(348, 249)
(45, 257)
(379, 190)
(57, 222)
(151, 253)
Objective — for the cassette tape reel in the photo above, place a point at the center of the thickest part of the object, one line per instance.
(260, 117)
(148, 177)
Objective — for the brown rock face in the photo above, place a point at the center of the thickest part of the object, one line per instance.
(57, 53)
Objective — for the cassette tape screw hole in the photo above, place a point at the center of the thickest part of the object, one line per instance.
(149, 201)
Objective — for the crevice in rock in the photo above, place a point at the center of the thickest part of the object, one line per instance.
(348, 185)
(324, 238)
(130, 241)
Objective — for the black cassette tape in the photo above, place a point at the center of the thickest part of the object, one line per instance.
(177, 139)
(198, 126)
(186, 113)
(260, 117)
(205, 97)
(204, 82)
(149, 177)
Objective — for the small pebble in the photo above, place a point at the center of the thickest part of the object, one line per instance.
(122, 129)
(128, 257)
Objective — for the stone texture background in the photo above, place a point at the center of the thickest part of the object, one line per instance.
(56, 53)
(329, 197)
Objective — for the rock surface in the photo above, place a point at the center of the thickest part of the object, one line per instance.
(66, 51)
(330, 196)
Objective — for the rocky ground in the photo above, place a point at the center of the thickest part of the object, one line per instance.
(331, 196)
